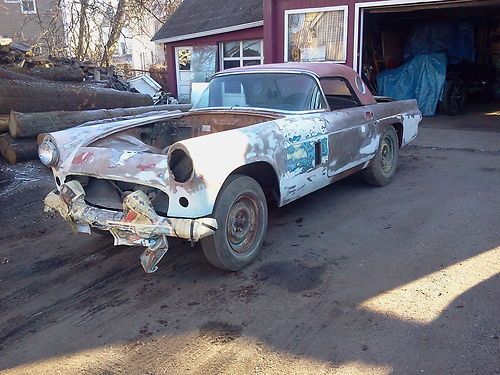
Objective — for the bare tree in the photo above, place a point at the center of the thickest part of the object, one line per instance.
(117, 24)
(93, 27)
(82, 29)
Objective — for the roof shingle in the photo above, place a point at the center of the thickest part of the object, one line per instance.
(195, 16)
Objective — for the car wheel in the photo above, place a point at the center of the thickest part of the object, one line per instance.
(241, 214)
(454, 94)
(382, 168)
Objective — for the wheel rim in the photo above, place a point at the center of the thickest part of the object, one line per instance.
(456, 98)
(242, 223)
(387, 155)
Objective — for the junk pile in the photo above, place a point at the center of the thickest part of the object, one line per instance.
(40, 94)
(19, 58)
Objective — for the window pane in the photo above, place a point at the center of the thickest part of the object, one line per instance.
(232, 49)
(231, 64)
(232, 87)
(251, 48)
(184, 56)
(28, 6)
(279, 91)
(203, 62)
(335, 87)
(251, 62)
(316, 36)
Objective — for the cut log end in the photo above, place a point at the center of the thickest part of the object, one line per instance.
(4, 123)
(18, 151)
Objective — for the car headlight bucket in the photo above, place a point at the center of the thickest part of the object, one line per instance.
(180, 165)
(48, 152)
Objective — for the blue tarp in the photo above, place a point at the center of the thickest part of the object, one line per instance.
(456, 39)
(421, 78)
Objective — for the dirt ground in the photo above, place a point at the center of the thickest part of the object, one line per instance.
(353, 279)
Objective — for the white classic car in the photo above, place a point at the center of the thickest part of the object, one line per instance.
(258, 134)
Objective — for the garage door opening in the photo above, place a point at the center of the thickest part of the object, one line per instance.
(446, 55)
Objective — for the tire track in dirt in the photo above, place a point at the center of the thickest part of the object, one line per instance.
(50, 272)
(16, 326)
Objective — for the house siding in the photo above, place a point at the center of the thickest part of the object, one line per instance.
(24, 27)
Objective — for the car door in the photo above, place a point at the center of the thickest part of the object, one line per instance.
(352, 129)
(306, 155)
(306, 149)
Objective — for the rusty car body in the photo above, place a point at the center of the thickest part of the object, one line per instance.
(261, 133)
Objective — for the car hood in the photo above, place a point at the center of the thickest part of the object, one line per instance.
(69, 141)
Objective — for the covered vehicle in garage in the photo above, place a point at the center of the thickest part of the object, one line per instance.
(440, 50)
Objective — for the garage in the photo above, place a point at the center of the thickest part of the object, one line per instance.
(446, 54)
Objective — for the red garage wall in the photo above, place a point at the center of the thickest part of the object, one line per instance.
(274, 25)
(247, 34)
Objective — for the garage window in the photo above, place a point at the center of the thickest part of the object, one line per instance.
(241, 53)
(318, 34)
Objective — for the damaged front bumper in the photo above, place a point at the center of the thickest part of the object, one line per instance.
(137, 225)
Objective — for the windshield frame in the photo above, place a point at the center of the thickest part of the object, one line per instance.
(270, 71)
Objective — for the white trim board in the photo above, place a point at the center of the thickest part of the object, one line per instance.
(359, 9)
(344, 8)
(201, 34)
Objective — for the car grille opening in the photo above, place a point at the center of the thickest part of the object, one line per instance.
(109, 194)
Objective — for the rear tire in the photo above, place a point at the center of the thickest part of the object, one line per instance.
(241, 214)
(382, 168)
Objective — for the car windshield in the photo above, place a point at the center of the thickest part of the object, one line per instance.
(278, 91)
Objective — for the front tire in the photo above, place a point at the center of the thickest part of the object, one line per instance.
(382, 168)
(241, 214)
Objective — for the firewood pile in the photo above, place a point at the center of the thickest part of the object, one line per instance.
(41, 94)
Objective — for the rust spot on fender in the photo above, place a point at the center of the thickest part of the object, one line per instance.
(83, 158)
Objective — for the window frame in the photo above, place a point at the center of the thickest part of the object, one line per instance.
(241, 59)
(344, 8)
(34, 11)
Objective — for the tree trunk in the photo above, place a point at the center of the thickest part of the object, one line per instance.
(59, 73)
(18, 150)
(82, 20)
(22, 125)
(26, 96)
(114, 33)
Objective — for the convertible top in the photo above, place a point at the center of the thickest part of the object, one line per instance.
(319, 69)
